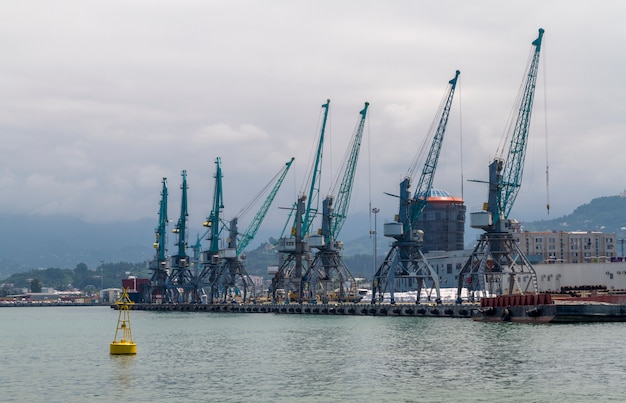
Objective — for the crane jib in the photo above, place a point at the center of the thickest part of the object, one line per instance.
(514, 166)
(430, 166)
(342, 198)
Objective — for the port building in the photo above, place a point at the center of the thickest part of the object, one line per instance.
(443, 222)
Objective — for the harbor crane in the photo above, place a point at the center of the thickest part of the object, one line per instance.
(233, 277)
(180, 282)
(197, 271)
(328, 272)
(159, 264)
(294, 251)
(209, 258)
(497, 264)
(405, 267)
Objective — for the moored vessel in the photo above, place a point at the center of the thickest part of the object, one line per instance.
(543, 308)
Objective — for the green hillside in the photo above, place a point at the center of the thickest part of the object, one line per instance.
(605, 214)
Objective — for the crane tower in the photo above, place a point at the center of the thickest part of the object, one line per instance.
(180, 282)
(405, 267)
(209, 258)
(328, 272)
(233, 277)
(497, 265)
(159, 264)
(294, 251)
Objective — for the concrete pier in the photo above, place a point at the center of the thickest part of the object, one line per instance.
(421, 310)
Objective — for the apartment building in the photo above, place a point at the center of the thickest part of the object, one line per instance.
(568, 247)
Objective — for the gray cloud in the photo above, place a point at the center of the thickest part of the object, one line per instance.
(102, 99)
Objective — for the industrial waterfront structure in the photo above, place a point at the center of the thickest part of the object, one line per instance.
(185, 278)
(428, 233)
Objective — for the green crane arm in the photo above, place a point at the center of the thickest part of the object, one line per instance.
(181, 226)
(342, 200)
(425, 183)
(160, 242)
(197, 247)
(260, 215)
(213, 220)
(514, 165)
(314, 190)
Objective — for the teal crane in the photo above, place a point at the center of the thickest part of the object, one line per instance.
(405, 267)
(233, 277)
(159, 265)
(294, 250)
(328, 272)
(181, 226)
(213, 220)
(497, 265)
(209, 258)
(180, 281)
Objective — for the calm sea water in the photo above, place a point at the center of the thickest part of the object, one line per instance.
(61, 354)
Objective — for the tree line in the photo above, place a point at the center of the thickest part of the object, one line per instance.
(106, 275)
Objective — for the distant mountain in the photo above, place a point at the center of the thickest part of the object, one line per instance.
(605, 214)
(32, 242)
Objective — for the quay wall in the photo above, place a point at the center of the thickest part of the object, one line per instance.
(423, 310)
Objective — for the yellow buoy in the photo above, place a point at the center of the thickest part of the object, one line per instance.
(125, 345)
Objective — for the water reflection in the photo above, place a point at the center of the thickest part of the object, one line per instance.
(123, 370)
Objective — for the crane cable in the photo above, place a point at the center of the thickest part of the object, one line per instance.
(545, 105)
(343, 163)
(422, 152)
(265, 191)
(312, 155)
(369, 180)
(509, 127)
(461, 137)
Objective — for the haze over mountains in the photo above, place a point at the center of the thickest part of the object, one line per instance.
(52, 241)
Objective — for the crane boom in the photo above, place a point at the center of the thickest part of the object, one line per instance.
(160, 243)
(314, 190)
(514, 165)
(345, 189)
(213, 220)
(425, 183)
(260, 215)
(181, 226)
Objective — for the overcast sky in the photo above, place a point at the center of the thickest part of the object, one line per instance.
(101, 99)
